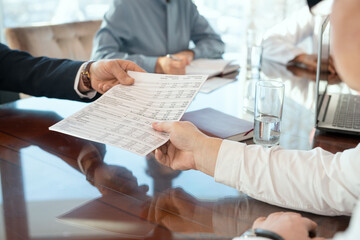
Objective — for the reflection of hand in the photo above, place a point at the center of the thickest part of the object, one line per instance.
(107, 178)
(289, 225)
(302, 72)
(176, 210)
(332, 69)
(105, 74)
(188, 148)
(308, 60)
(305, 73)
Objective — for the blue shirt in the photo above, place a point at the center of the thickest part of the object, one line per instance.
(143, 30)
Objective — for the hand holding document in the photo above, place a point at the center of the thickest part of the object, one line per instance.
(122, 117)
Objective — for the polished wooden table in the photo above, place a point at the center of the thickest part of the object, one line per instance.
(56, 186)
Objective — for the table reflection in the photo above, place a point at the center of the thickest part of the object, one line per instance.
(110, 202)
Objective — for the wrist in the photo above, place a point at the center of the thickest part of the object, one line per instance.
(206, 152)
(85, 77)
(158, 67)
(191, 54)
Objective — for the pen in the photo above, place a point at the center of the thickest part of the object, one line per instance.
(173, 57)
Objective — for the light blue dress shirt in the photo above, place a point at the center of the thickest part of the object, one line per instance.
(143, 30)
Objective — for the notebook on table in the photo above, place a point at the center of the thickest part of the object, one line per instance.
(218, 124)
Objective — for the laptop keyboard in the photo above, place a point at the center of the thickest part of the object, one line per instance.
(347, 114)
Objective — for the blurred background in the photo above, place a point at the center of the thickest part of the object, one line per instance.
(231, 18)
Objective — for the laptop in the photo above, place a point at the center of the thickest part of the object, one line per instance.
(334, 112)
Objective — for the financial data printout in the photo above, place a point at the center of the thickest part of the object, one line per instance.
(122, 117)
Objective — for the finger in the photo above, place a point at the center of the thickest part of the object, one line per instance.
(170, 155)
(164, 148)
(179, 64)
(258, 221)
(276, 214)
(169, 220)
(312, 66)
(182, 200)
(292, 214)
(161, 207)
(310, 63)
(331, 66)
(163, 126)
(105, 86)
(143, 188)
(118, 70)
(162, 157)
(159, 156)
(309, 224)
(185, 60)
(177, 201)
(151, 211)
(130, 66)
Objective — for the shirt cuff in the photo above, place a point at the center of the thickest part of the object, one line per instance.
(229, 160)
(149, 64)
(197, 53)
(88, 95)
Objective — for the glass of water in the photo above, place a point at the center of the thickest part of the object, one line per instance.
(269, 99)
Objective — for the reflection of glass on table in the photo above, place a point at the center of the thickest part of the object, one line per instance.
(249, 96)
(253, 62)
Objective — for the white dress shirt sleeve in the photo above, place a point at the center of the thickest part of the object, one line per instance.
(314, 181)
(280, 43)
(353, 231)
(90, 94)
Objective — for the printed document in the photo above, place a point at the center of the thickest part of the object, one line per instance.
(122, 117)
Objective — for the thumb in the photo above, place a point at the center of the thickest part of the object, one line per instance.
(187, 61)
(119, 73)
(163, 126)
(104, 87)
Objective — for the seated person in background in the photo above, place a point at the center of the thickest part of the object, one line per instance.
(282, 43)
(145, 31)
(315, 181)
(60, 78)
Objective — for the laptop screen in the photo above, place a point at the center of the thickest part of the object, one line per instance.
(322, 73)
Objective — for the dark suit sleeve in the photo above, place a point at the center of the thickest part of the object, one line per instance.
(37, 76)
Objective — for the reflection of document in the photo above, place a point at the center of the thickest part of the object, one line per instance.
(122, 117)
(211, 67)
(214, 83)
